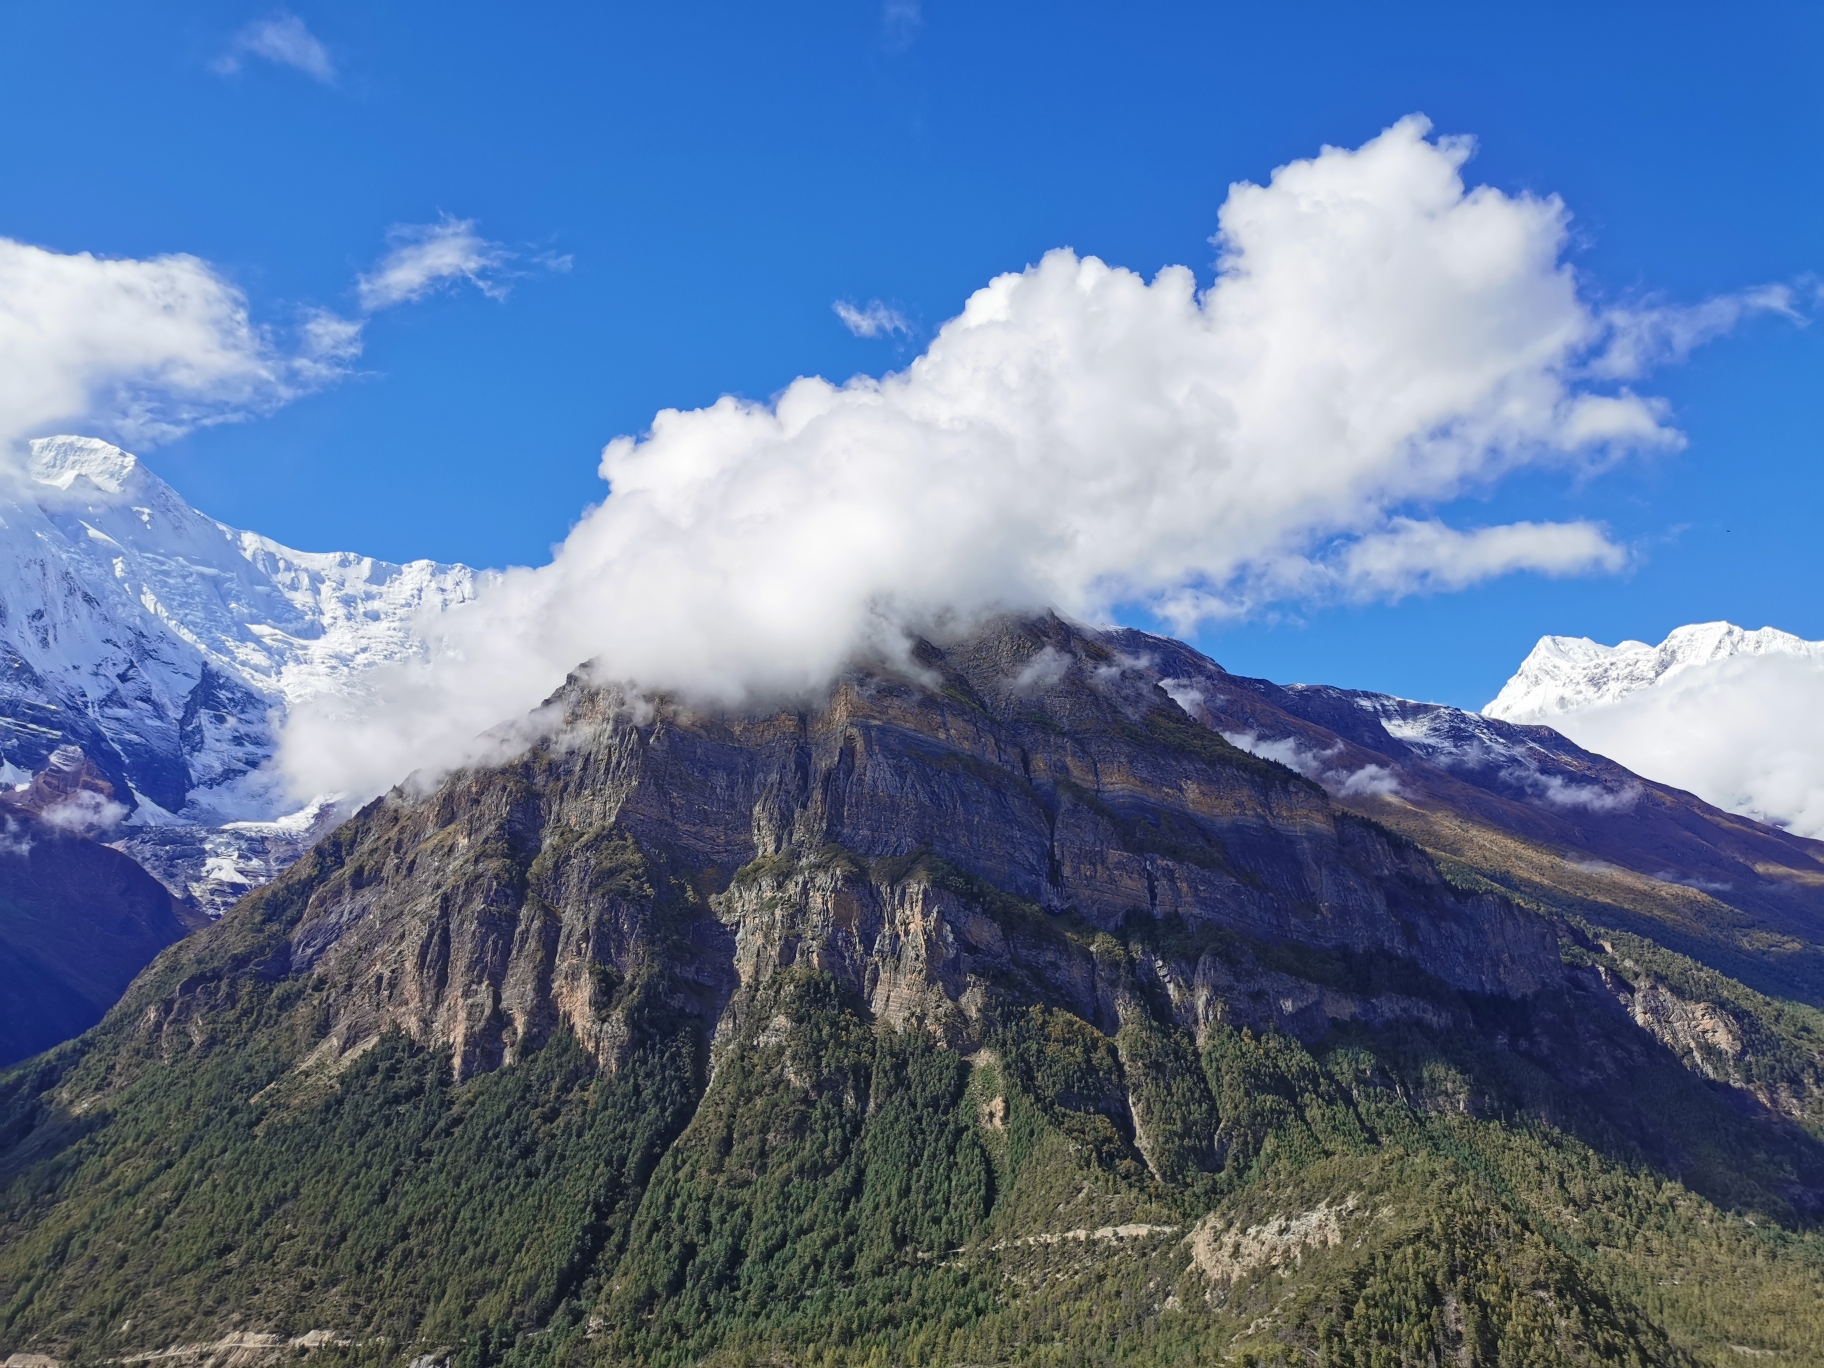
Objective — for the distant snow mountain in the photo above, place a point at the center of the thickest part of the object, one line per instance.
(1566, 674)
(1734, 716)
(167, 645)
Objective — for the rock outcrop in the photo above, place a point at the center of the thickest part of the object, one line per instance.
(70, 792)
(921, 835)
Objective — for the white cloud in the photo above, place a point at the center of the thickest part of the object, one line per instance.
(85, 814)
(141, 349)
(1745, 733)
(1378, 338)
(283, 40)
(329, 342)
(1414, 556)
(1643, 336)
(427, 256)
(144, 350)
(876, 320)
(900, 21)
(1370, 781)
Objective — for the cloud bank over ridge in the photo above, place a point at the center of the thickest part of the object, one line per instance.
(1378, 338)
(1746, 734)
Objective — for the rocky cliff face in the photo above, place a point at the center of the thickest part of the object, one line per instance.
(916, 836)
(70, 792)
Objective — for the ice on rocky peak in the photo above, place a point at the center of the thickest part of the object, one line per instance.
(1565, 674)
(60, 461)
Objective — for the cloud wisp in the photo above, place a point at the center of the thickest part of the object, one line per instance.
(1411, 556)
(1369, 781)
(900, 22)
(873, 320)
(283, 40)
(144, 350)
(431, 256)
(1379, 337)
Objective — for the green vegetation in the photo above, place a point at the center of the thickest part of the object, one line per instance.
(392, 1203)
(847, 1194)
(1536, 1183)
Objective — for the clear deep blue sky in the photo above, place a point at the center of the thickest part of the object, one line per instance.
(721, 173)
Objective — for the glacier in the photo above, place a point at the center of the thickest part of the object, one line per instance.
(170, 647)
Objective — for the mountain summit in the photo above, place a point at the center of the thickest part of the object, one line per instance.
(165, 644)
(1731, 715)
(1564, 674)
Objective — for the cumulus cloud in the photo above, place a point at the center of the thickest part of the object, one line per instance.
(283, 40)
(876, 320)
(1379, 337)
(143, 349)
(1745, 733)
(426, 257)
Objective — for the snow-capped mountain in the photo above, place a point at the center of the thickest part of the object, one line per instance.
(161, 641)
(167, 645)
(1733, 716)
(1566, 674)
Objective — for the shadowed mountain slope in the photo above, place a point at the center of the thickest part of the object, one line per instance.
(1543, 817)
(77, 922)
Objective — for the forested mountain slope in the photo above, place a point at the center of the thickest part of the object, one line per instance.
(997, 1009)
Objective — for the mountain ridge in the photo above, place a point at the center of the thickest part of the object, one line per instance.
(994, 1010)
(77, 923)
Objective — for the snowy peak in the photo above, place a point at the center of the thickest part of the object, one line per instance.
(1566, 674)
(166, 644)
(61, 462)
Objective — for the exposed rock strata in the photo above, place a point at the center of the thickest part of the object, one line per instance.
(923, 837)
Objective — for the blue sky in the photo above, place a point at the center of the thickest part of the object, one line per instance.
(717, 176)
